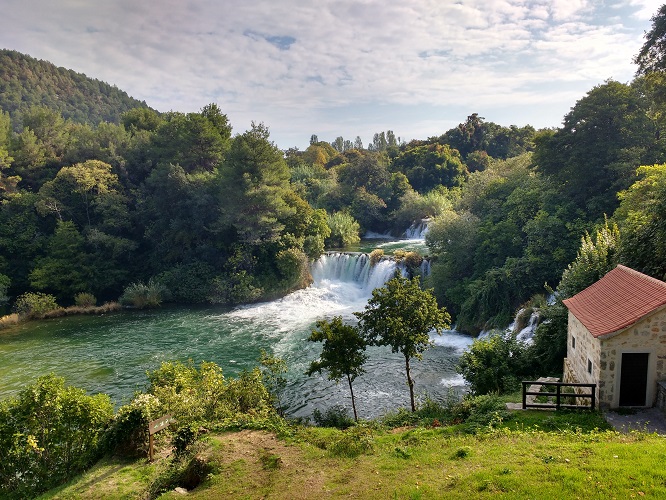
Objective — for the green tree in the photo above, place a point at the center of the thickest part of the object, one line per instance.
(273, 370)
(641, 217)
(595, 153)
(596, 257)
(401, 315)
(494, 364)
(652, 56)
(254, 184)
(64, 270)
(343, 353)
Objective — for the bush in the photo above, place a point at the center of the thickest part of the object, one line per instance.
(479, 412)
(34, 304)
(494, 364)
(335, 416)
(376, 255)
(85, 300)
(128, 435)
(352, 442)
(188, 283)
(344, 230)
(142, 296)
(49, 433)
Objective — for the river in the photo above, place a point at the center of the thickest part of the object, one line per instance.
(112, 353)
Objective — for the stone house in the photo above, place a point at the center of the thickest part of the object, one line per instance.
(617, 338)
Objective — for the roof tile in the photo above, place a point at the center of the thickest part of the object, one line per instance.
(617, 300)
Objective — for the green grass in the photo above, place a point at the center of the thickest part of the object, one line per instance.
(536, 454)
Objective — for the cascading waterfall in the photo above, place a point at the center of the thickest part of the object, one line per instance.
(418, 230)
(354, 268)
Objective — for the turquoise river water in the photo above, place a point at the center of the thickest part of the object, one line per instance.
(112, 353)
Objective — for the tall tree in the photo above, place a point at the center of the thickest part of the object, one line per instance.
(402, 315)
(343, 353)
(652, 56)
(255, 182)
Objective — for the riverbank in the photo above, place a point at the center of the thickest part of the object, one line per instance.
(516, 459)
(14, 319)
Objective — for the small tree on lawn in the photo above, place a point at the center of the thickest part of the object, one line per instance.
(401, 315)
(342, 355)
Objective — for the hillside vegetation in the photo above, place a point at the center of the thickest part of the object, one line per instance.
(26, 82)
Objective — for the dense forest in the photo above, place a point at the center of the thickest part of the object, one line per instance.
(26, 82)
(177, 203)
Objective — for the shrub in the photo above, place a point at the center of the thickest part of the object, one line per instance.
(352, 442)
(84, 299)
(344, 230)
(188, 283)
(142, 296)
(128, 435)
(479, 412)
(335, 416)
(49, 433)
(494, 364)
(376, 255)
(34, 304)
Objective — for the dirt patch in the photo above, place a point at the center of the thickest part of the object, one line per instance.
(256, 464)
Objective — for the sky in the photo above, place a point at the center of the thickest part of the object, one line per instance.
(342, 67)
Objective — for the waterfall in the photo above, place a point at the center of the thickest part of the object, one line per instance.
(417, 230)
(354, 268)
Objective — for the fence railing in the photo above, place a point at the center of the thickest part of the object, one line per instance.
(559, 395)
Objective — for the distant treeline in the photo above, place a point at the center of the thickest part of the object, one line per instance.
(214, 217)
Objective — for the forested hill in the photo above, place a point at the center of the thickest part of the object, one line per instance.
(26, 81)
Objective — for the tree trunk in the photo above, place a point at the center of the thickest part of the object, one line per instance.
(352, 395)
(410, 383)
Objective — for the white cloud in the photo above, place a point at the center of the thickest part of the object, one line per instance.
(297, 66)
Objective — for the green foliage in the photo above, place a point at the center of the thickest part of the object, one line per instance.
(48, 433)
(273, 370)
(143, 296)
(343, 353)
(594, 260)
(25, 81)
(34, 304)
(344, 230)
(401, 315)
(4, 286)
(203, 396)
(352, 442)
(494, 364)
(652, 56)
(85, 299)
(64, 270)
(128, 433)
(336, 416)
(642, 220)
(430, 166)
(188, 283)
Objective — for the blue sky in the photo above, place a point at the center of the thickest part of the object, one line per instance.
(342, 67)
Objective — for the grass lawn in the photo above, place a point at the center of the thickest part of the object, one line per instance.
(534, 455)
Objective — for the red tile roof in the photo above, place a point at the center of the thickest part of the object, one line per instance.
(617, 300)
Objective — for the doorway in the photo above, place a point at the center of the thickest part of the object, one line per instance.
(633, 381)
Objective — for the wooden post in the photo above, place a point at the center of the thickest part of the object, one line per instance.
(524, 396)
(557, 398)
(154, 427)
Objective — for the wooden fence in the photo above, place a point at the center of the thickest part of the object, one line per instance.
(559, 395)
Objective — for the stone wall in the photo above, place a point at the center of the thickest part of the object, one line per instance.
(649, 336)
(587, 349)
(661, 396)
